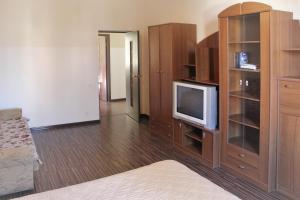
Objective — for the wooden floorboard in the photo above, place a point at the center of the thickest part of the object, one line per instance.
(77, 154)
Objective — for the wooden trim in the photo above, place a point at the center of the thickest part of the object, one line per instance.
(108, 83)
(170, 23)
(69, 125)
(245, 8)
(233, 10)
(255, 7)
(110, 31)
(265, 145)
(223, 79)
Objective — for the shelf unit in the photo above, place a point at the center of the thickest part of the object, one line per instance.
(248, 115)
(206, 67)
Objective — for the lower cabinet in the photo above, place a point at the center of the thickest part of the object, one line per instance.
(197, 141)
(163, 130)
(288, 151)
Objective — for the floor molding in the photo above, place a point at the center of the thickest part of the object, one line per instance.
(45, 128)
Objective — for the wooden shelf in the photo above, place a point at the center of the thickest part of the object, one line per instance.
(194, 136)
(245, 144)
(242, 120)
(244, 42)
(196, 149)
(292, 49)
(244, 95)
(208, 82)
(189, 65)
(212, 131)
(290, 78)
(244, 70)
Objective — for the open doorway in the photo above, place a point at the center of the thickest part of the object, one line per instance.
(119, 73)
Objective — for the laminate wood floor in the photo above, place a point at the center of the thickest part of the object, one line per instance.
(77, 154)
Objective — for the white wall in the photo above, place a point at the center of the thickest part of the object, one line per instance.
(49, 55)
(203, 13)
(117, 66)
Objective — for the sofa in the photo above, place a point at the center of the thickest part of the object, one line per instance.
(18, 157)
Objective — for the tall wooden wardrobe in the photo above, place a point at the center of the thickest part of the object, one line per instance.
(170, 47)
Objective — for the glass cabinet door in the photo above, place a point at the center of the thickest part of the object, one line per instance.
(244, 82)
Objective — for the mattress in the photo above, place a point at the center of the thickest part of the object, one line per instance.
(162, 180)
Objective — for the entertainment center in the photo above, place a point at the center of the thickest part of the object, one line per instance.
(252, 67)
(175, 56)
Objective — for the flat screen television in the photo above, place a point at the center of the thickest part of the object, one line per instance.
(195, 103)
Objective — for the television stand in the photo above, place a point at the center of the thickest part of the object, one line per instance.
(198, 142)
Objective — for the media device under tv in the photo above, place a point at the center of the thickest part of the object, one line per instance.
(195, 103)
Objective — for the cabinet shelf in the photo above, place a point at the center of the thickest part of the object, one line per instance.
(194, 136)
(245, 144)
(244, 95)
(292, 49)
(290, 78)
(245, 42)
(194, 148)
(189, 65)
(244, 70)
(205, 82)
(245, 121)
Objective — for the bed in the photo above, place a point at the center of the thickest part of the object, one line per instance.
(162, 180)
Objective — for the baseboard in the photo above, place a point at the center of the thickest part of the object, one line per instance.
(43, 128)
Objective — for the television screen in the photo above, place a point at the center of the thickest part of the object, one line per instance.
(190, 101)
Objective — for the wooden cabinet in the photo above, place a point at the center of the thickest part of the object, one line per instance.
(287, 71)
(248, 96)
(170, 46)
(177, 138)
(197, 141)
(289, 139)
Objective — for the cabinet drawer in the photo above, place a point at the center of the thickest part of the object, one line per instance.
(243, 155)
(242, 168)
(289, 93)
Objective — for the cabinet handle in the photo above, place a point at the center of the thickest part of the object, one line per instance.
(242, 155)
(241, 82)
(247, 83)
(242, 167)
(286, 86)
(180, 125)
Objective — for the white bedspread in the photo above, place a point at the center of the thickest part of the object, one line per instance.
(162, 180)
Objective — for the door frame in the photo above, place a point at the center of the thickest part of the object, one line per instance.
(107, 55)
(108, 81)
